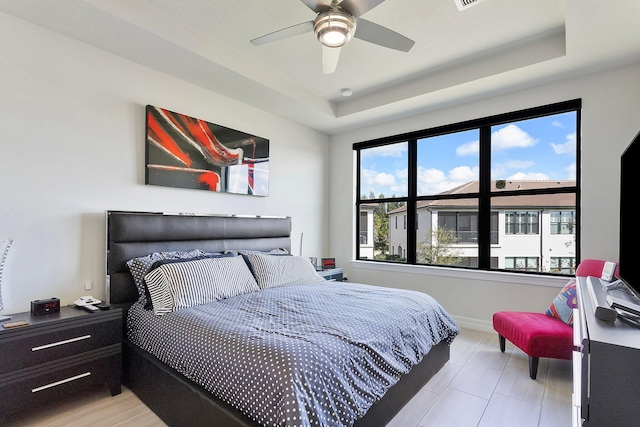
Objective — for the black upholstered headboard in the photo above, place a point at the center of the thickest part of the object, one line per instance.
(134, 234)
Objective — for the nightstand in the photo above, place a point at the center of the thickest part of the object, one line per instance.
(58, 354)
(334, 274)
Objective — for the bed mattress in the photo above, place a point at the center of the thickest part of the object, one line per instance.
(303, 355)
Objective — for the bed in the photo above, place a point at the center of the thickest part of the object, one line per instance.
(187, 392)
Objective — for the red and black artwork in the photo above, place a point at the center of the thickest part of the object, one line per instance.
(186, 152)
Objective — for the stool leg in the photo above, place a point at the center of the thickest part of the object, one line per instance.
(533, 367)
(502, 343)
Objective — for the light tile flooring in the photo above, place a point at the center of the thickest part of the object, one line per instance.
(482, 387)
(479, 387)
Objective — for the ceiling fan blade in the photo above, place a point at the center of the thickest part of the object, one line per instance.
(377, 34)
(284, 33)
(359, 7)
(330, 56)
(317, 5)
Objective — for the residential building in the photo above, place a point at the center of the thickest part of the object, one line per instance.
(532, 233)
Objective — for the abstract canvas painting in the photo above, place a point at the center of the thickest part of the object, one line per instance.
(186, 152)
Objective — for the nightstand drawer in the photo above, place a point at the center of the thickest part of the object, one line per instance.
(31, 387)
(29, 349)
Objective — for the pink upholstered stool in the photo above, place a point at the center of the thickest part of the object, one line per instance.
(537, 334)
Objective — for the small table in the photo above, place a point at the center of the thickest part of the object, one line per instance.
(58, 354)
(333, 274)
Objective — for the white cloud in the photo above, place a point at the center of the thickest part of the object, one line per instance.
(519, 176)
(375, 179)
(468, 149)
(382, 183)
(517, 164)
(434, 181)
(557, 124)
(501, 170)
(569, 147)
(463, 174)
(391, 150)
(571, 171)
(511, 136)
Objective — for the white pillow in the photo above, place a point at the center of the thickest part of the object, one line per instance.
(271, 271)
(186, 284)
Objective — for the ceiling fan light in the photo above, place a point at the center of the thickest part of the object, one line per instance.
(333, 38)
(334, 28)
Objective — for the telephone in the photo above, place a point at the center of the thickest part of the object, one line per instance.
(86, 300)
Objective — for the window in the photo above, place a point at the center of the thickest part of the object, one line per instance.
(563, 265)
(364, 228)
(475, 193)
(464, 225)
(521, 222)
(473, 262)
(522, 263)
(563, 222)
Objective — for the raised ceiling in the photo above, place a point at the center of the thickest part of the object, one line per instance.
(492, 47)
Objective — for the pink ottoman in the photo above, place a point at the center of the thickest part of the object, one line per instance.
(537, 334)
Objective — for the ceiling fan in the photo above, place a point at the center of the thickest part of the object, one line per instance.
(335, 24)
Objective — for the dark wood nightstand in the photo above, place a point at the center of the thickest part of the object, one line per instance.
(334, 274)
(58, 354)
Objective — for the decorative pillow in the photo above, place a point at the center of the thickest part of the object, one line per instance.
(174, 286)
(273, 252)
(271, 271)
(148, 305)
(562, 306)
(139, 267)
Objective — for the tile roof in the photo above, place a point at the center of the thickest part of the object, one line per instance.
(546, 201)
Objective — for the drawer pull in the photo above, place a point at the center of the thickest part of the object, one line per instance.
(54, 344)
(44, 387)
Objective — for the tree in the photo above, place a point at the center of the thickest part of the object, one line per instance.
(380, 229)
(437, 248)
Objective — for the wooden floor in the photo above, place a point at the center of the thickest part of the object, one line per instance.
(478, 387)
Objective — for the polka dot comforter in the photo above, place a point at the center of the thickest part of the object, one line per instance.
(316, 354)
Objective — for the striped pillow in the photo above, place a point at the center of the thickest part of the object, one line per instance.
(271, 271)
(185, 284)
(140, 266)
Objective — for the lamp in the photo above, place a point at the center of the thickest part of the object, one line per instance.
(3, 257)
(334, 28)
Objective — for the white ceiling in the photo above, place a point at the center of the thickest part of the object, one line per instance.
(492, 47)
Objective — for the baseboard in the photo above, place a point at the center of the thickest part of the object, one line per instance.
(475, 324)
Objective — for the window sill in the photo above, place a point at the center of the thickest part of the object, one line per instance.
(494, 276)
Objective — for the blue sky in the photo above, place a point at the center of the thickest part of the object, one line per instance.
(540, 149)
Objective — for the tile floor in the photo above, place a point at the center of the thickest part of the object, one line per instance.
(482, 387)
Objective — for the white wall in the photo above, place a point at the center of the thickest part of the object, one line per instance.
(72, 146)
(610, 119)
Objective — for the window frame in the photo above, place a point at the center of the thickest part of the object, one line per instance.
(561, 224)
(526, 260)
(513, 228)
(484, 194)
(559, 260)
(363, 228)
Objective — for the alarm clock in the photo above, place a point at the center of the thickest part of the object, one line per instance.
(45, 306)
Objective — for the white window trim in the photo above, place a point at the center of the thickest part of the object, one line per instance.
(459, 273)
